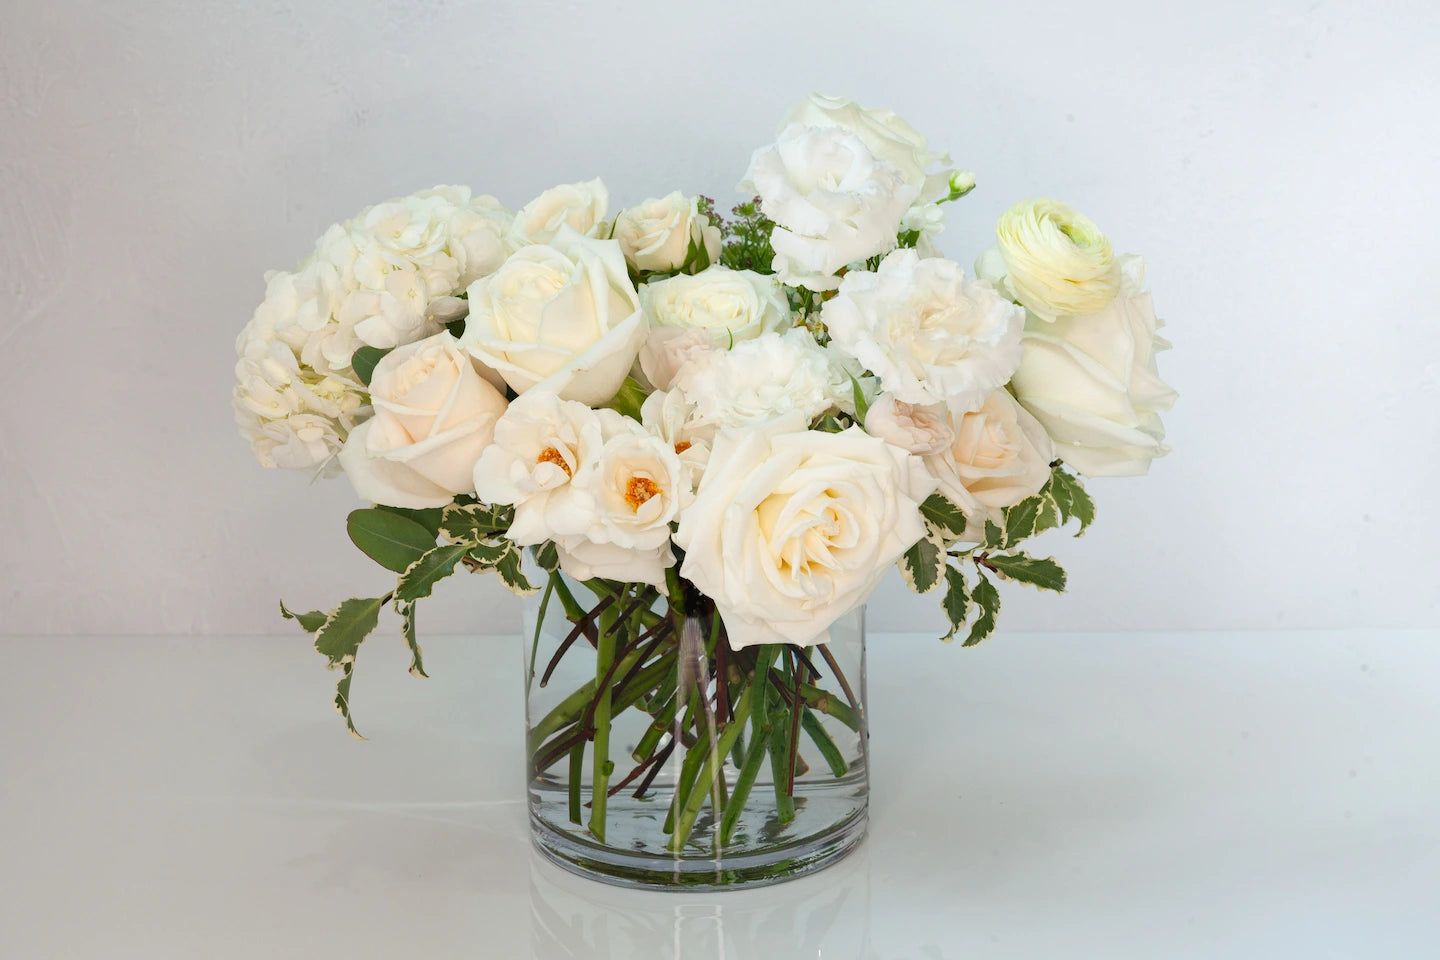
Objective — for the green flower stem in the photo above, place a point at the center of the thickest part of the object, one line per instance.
(688, 768)
(573, 611)
(829, 704)
(780, 757)
(704, 785)
(600, 760)
(748, 771)
(651, 738)
(577, 770)
(573, 707)
(620, 701)
(539, 626)
(823, 742)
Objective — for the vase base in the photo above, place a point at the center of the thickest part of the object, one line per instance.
(651, 871)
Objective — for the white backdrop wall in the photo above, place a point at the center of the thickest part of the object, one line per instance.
(1275, 162)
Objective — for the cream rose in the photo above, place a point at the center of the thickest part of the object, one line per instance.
(791, 529)
(730, 305)
(1051, 258)
(833, 202)
(884, 134)
(562, 317)
(925, 330)
(999, 455)
(658, 234)
(1093, 383)
(434, 416)
(578, 206)
(919, 428)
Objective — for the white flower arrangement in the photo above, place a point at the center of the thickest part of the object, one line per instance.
(765, 411)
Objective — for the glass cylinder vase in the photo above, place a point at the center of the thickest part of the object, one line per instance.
(658, 756)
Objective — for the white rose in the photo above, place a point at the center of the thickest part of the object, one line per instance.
(919, 428)
(434, 416)
(562, 317)
(930, 334)
(731, 305)
(667, 349)
(667, 414)
(999, 456)
(593, 481)
(1092, 381)
(832, 201)
(1052, 259)
(578, 206)
(658, 234)
(792, 529)
(764, 378)
(884, 134)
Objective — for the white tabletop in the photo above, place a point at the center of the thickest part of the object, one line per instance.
(1130, 795)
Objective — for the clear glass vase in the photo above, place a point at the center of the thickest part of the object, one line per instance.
(658, 756)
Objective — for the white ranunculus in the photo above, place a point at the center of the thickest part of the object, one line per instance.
(764, 378)
(999, 455)
(930, 334)
(657, 235)
(434, 416)
(579, 206)
(884, 134)
(561, 317)
(1051, 258)
(791, 529)
(919, 428)
(731, 305)
(834, 203)
(1093, 383)
(667, 349)
(593, 481)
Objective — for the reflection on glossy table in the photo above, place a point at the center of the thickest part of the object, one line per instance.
(1117, 795)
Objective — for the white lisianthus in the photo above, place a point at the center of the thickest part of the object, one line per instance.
(930, 334)
(998, 456)
(667, 414)
(833, 202)
(579, 206)
(885, 135)
(919, 428)
(658, 234)
(1051, 258)
(791, 529)
(1092, 381)
(764, 378)
(434, 416)
(593, 481)
(730, 305)
(563, 317)
(667, 349)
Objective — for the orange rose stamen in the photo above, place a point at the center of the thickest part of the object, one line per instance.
(640, 489)
(551, 455)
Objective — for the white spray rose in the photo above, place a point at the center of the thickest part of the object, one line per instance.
(562, 316)
(731, 305)
(919, 428)
(667, 414)
(593, 481)
(579, 206)
(834, 203)
(791, 529)
(1051, 258)
(930, 334)
(1092, 381)
(658, 234)
(999, 455)
(764, 378)
(884, 134)
(434, 416)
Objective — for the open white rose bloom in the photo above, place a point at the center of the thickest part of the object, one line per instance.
(706, 436)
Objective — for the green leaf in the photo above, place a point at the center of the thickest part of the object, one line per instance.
(628, 399)
(1020, 520)
(456, 328)
(309, 622)
(994, 536)
(944, 516)
(988, 599)
(1043, 573)
(427, 570)
(923, 565)
(342, 700)
(510, 573)
(862, 406)
(956, 601)
(547, 555)
(389, 539)
(1071, 499)
(473, 522)
(340, 636)
(407, 628)
(429, 519)
(1049, 516)
(364, 360)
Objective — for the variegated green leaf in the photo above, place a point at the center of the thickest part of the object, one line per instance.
(987, 598)
(944, 516)
(407, 628)
(508, 568)
(347, 626)
(1044, 573)
(342, 699)
(473, 522)
(955, 602)
(547, 555)
(923, 565)
(422, 575)
(309, 622)
(1020, 520)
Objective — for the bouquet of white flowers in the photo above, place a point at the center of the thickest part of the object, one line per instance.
(706, 437)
